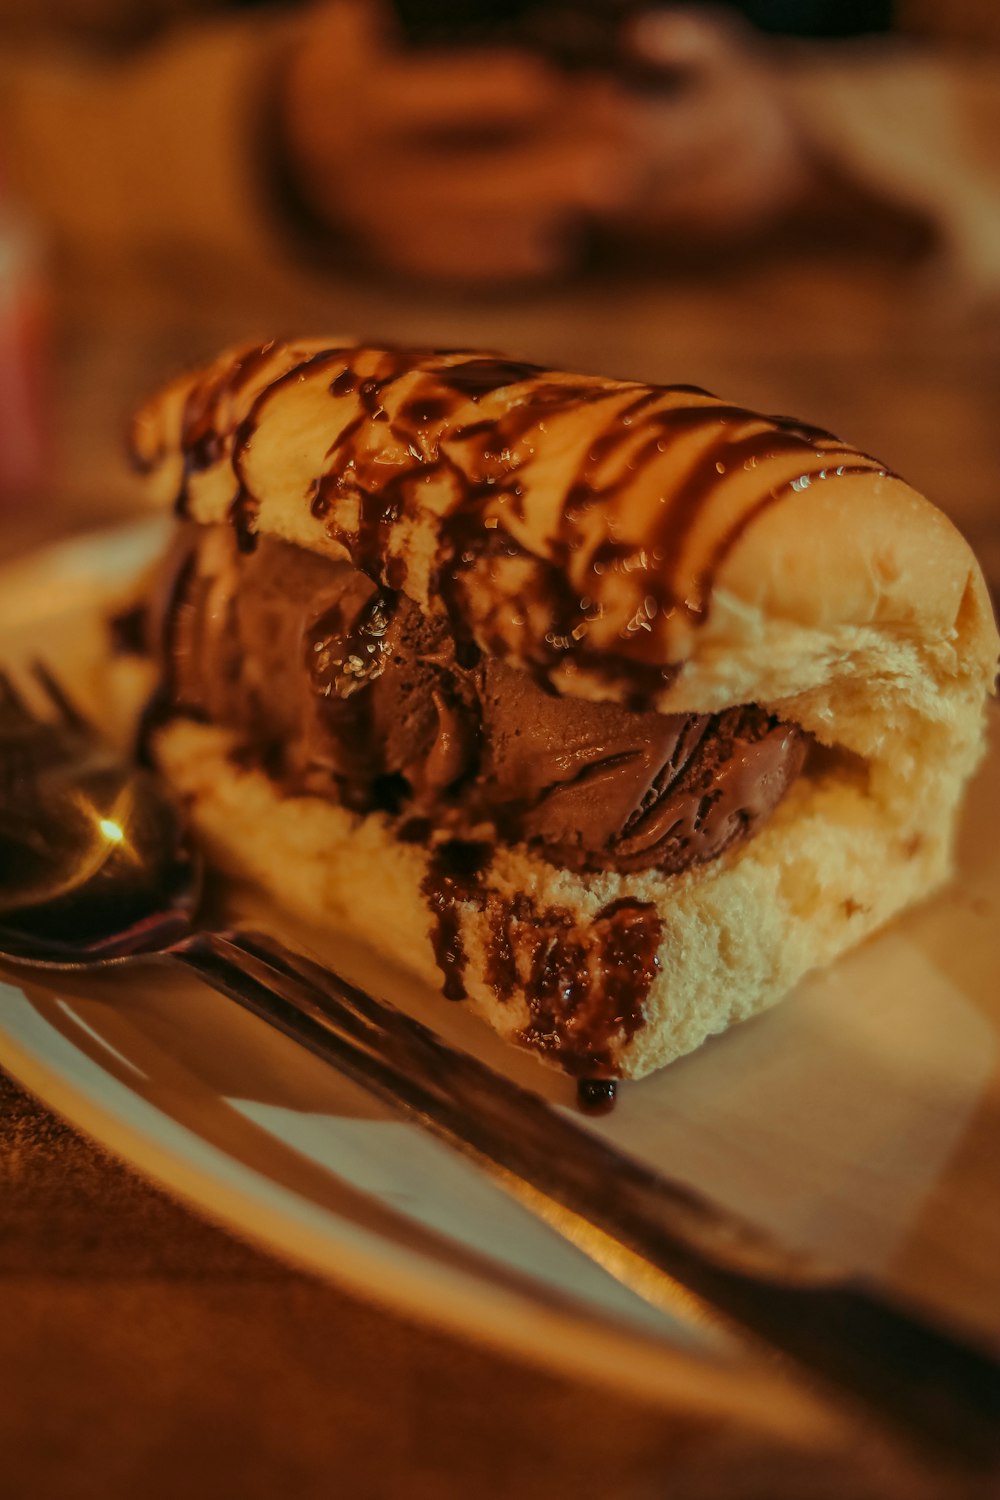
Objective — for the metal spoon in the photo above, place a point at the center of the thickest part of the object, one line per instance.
(96, 871)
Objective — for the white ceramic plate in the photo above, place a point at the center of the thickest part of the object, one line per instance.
(859, 1119)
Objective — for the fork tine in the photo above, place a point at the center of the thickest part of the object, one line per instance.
(58, 697)
(10, 698)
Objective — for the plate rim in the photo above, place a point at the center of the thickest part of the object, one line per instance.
(575, 1341)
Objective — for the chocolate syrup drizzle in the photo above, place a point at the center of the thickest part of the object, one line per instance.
(203, 435)
(454, 877)
(596, 1095)
(585, 988)
(585, 983)
(343, 659)
(482, 462)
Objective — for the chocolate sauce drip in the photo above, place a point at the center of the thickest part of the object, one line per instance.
(482, 461)
(585, 984)
(811, 434)
(475, 378)
(201, 446)
(378, 512)
(422, 411)
(244, 370)
(596, 1096)
(414, 831)
(344, 384)
(624, 964)
(730, 452)
(454, 877)
(727, 541)
(202, 443)
(245, 508)
(369, 394)
(666, 542)
(345, 652)
(243, 514)
(319, 498)
(472, 430)
(465, 540)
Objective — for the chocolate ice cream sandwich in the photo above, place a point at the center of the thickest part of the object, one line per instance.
(609, 709)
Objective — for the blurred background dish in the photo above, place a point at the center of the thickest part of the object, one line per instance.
(809, 222)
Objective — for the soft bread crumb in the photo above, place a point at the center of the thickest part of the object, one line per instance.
(737, 934)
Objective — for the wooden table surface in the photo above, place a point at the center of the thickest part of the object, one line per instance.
(146, 1353)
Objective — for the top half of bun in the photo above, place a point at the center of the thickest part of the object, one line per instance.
(651, 545)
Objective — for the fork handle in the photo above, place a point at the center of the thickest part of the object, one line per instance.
(935, 1388)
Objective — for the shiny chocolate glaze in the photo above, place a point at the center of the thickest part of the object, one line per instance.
(426, 403)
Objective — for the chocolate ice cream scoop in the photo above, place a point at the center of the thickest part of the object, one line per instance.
(597, 787)
(391, 715)
(348, 691)
(345, 688)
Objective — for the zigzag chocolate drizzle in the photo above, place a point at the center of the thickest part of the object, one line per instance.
(435, 434)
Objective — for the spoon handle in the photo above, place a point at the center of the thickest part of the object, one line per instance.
(938, 1390)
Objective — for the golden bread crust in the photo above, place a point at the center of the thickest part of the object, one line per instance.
(831, 867)
(621, 539)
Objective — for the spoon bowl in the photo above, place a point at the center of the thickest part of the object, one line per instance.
(89, 845)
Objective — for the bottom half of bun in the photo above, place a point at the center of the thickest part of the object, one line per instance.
(602, 974)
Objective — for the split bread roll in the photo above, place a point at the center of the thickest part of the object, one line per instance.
(611, 708)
